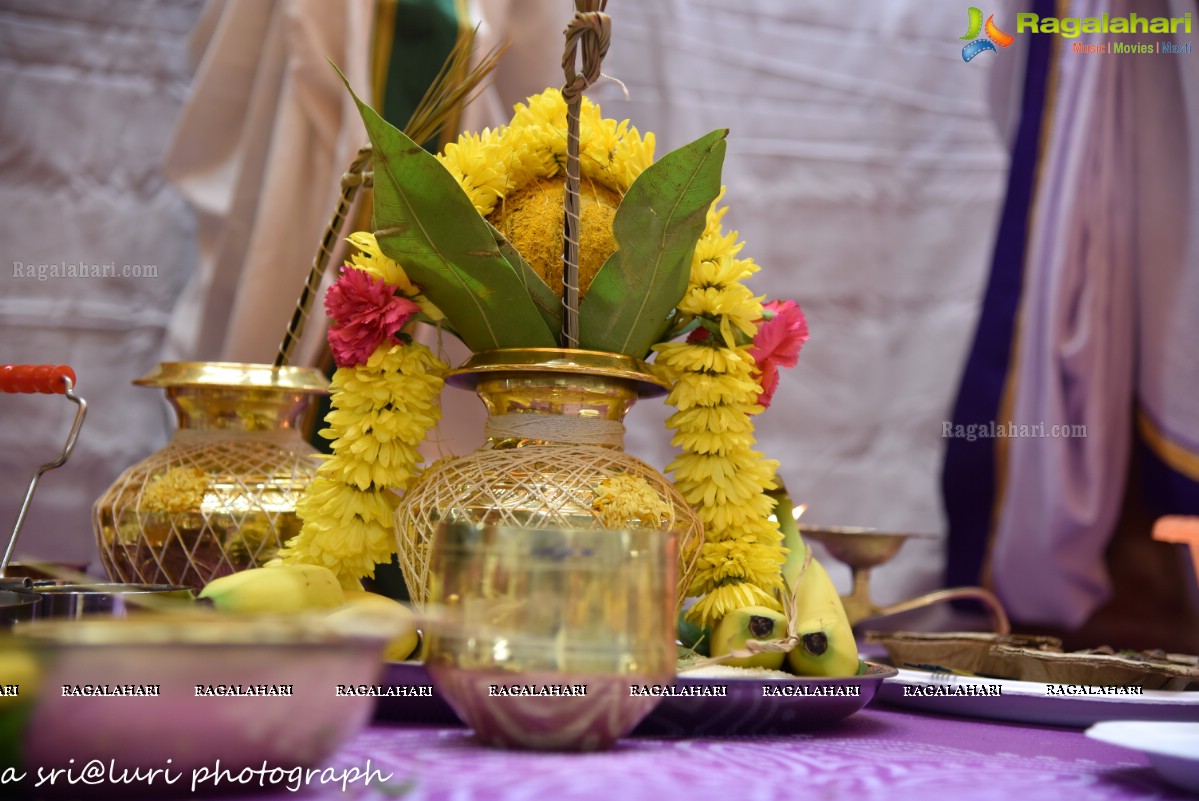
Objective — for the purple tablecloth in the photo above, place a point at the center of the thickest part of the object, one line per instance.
(879, 753)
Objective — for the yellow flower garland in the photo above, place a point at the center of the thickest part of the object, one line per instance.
(718, 471)
(382, 411)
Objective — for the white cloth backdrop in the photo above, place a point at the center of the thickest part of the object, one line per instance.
(89, 93)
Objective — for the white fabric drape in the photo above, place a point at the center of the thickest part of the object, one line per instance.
(1111, 285)
(259, 151)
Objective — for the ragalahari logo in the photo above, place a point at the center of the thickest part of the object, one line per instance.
(994, 34)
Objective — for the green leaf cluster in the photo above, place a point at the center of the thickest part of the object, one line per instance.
(490, 295)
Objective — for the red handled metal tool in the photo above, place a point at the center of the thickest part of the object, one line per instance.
(46, 379)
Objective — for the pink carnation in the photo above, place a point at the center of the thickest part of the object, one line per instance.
(365, 312)
(781, 333)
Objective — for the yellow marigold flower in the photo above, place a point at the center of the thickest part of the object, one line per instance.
(715, 390)
(720, 270)
(626, 500)
(544, 110)
(633, 154)
(345, 529)
(717, 602)
(730, 478)
(712, 389)
(714, 220)
(717, 419)
(335, 501)
(675, 358)
(712, 442)
(372, 259)
(719, 518)
(733, 304)
(474, 161)
(175, 490)
(734, 557)
(529, 155)
(513, 177)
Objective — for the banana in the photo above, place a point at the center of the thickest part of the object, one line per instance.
(826, 642)
(275, 589)
(368, 611)
(749, 623)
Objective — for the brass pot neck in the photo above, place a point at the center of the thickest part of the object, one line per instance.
(557, 393)
(236, 396)
(242, 409)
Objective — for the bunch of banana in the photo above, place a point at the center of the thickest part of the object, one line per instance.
(826, 643)
(20, 683)
(815, 629)
(298, 588)
(276, 590)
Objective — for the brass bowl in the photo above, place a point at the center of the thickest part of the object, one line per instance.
(157, 711)
(538, 636)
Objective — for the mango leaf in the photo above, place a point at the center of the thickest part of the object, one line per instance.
(548, 304)
(662, 216)
(426, 222)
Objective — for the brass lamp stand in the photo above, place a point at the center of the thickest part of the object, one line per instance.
(864, 549)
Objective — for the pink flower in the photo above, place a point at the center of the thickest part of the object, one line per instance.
(781, 333)
(365, 312)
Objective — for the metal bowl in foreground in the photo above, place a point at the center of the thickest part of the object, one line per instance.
(62, 599)
(188, 696)
(17, 606)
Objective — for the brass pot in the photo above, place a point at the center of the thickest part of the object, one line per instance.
(553, 459)
(221, 496)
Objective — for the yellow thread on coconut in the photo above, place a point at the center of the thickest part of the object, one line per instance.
(508, 172)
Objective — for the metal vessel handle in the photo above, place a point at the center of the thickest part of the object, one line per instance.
(46, 379)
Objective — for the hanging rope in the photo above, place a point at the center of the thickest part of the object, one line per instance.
(355, 178)
(590, 29)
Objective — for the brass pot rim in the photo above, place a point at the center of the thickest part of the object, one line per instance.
(235, 375)
(567, 361)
